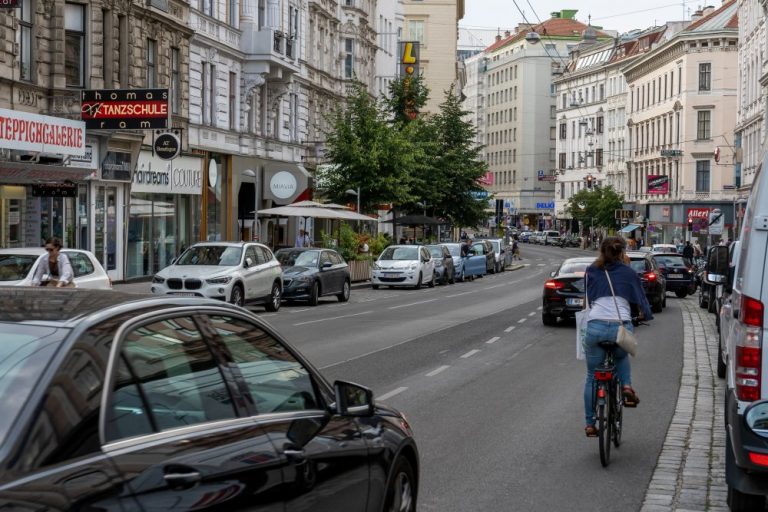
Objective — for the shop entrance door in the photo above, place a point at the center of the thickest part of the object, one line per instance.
(106, 237)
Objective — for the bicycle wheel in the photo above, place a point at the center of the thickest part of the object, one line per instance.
(604, 433)
(618, 412)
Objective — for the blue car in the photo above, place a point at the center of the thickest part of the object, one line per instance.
(466, 268)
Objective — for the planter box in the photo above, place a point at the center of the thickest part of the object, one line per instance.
(360, 270)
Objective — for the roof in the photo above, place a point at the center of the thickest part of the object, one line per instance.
(726, 17)
(553, 27)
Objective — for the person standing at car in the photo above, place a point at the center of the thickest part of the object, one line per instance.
(688, 253)
(603, 322)
(53, 268)
(465, 247)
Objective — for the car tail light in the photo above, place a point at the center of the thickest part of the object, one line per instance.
(760, 459)
(554, 284)
(749, 349)
(651, 276)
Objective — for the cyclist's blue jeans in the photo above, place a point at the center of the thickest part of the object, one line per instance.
(597, 331)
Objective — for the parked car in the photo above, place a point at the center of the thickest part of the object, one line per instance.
(123, 402)
(668, 248)
(499, 254)
(446, 272)
(309, 274)
(653, 280)
(564, 293)
(17, 266)
(404, 265)
(551, 237)
(708, 292)
(485, 248)
(726, 312)
(238, 272)
(466, 268)
(679, 275)
(525, 236)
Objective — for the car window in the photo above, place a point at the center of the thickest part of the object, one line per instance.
(336, 258)
(479, 248)
(638, 265)
(15, 267)
(220, 255)
(496, 246)
(454, 249)
(670, 261)
(574, 267)
(400, 253)
(166, 378)
(264, 255)
(81, 263)
(325, 258)
(276, 380)
(436, 252)
(250, 252)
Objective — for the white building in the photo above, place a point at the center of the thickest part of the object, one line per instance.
(390, 16)
(474, 93)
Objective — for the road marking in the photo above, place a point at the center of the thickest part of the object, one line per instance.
(412, 304)
(391, 394)
(438, 370)
(541, 265)
(443, 352)
(521, 350)
(531, 313)
(510, 328)
(470, 353)
(492, 340)
(540, 308)
(303, 310)
(522, 320)
(458, 294)
(333, 318)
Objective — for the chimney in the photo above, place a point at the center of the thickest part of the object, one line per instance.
(708, 10)
(498, 37)
(697, 15)
(506, 33)
(523, 27)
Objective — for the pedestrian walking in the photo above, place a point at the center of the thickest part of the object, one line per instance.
(302, 239)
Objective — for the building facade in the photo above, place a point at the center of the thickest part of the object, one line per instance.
(682, 110)
(390, 18)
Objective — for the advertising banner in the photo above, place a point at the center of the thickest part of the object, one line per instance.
(125, 109)
(41, 134)
(658, 184)
(182, 175)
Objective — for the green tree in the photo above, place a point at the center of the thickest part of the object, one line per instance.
(596, 206)
(406, 95)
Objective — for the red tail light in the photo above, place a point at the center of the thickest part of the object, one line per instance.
(553, 284)
(760, 459)
(749, 350)
(651, 276)
(751, 312)
(601, 375)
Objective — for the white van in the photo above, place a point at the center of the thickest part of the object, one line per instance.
(746, 404)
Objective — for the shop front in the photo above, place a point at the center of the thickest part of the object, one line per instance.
(165, 214)
(668, 223)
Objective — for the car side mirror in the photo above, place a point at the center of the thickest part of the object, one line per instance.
(327, 264)
(717, 265)
(756, 418)
(248, 263)
(353, 399)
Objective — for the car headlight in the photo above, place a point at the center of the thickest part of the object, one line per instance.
(376, 266)
(158, 280)
(304, 279)
(438, 263)
(414, 266)
(219, 280)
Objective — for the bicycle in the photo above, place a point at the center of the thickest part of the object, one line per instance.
(607, 395)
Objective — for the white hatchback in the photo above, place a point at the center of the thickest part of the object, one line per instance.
(237, 272)
(404, 265)
(17, 266)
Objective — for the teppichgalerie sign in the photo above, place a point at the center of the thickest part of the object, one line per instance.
(125, 109)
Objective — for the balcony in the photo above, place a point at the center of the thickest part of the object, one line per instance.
(216, 30)
(270, 51)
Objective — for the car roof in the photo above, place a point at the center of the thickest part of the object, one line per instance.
(67, 307)
(581, 259)
(228, 244)
(302, 249)
(640, 254)
(654, 254)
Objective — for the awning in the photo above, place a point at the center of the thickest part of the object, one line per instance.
(23, 173)
(629, 228)
(317, 212)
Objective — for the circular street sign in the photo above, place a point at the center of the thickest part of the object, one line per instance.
(283, 185)
(167, 146)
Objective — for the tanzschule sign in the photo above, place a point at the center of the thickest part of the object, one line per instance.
(125, 109)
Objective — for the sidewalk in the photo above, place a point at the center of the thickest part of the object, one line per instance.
(690, 472)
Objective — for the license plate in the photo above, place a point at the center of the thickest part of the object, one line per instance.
(184, 294)
(574, 302)
(392, 274)
(675, 276)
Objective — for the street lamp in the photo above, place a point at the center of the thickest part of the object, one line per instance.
(255, 175)
(355, 193)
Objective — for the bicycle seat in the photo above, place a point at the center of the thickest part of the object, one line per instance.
(607, 345)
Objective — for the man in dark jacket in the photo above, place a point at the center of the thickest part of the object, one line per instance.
(688, 252)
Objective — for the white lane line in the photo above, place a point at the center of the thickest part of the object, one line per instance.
(531, 313)
(541, 265)
(333, 318)
(301, 310)
(437, 370)
(443, 352)
(539, 308)
(470, 354)
(458, 294)
(493, 340)
(522, 320)
(391, 394)
(412, 304)
(510, 328)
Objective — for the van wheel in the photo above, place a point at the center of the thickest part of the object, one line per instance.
(740, 502)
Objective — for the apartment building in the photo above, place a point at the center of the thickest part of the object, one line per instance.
(390, 18)
(682, 110)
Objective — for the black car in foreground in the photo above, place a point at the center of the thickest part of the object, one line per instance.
(653, 280)
(309, 274)
(119, 402)
(679, 273)
(564, 292)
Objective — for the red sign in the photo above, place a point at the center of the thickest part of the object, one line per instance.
(44, 134)
(658, 184)
(487, 179)
(698, 213)
(125, 109)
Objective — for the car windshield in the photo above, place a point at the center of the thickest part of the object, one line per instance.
(289, 258)
(638, 265)
(15, 267)
(400, 253)
(218, 255)
(573, 267)
(436, 252)
(670, 261)
(25, 351)
(664, 248)
(454, 249)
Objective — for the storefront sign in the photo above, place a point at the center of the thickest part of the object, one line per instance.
(116, 167)
(125, 109)
(658, 184)
(698, 213)
(213, 173)
(54, 190)
(41, 134)
(283, 185)
(545, 206)
(167, 146)
(182, 175)
(409, 58)
(487, 179)
(89, 160)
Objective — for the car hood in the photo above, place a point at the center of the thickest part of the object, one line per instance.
(201, 271)
(20, 282)
(298, 270)
(398, 264)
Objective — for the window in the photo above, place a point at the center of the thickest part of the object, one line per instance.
(561, 163)
(81, 264)
(705, 76)
(563, 130)
(26, 16)
(175, 80)
(122, 50)
(600, 124)
(212, 95)
(232, 12)
(703, 125)
(151, 63)
(74, 45)
(416, 30)
(702, 176)
(207, 7)
(203, 93)
(349, 57)
(599, 157)
(232, 100)
(166, 377)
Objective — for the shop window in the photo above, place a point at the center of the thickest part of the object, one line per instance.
(151, 63)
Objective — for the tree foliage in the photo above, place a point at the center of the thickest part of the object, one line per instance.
(597, 206)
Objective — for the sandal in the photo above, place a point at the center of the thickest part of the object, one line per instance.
(630, 397)
(590, 431)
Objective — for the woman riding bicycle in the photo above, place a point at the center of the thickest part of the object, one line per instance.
(603, 323)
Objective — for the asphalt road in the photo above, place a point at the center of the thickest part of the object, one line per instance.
(495, 397)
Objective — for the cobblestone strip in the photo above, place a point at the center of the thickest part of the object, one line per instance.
(690, 471)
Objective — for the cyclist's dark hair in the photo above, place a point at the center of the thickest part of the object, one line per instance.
(611, 251)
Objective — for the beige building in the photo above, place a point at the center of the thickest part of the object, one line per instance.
(434, 24)
(681, 117)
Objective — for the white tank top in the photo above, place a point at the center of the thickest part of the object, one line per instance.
(604, 309)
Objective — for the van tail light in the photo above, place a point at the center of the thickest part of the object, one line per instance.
(553, 284)
(651, 276)
(749, 343)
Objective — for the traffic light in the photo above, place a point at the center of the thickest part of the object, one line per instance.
(589, 181)
(690, 224)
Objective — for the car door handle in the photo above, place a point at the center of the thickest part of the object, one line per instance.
(294, 454)
(182, 479)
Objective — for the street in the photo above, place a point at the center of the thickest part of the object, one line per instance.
(494, 397)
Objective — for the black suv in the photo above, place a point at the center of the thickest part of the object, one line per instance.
(653, 280)
(679, 273)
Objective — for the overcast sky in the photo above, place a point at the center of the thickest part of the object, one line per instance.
(482, 18)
